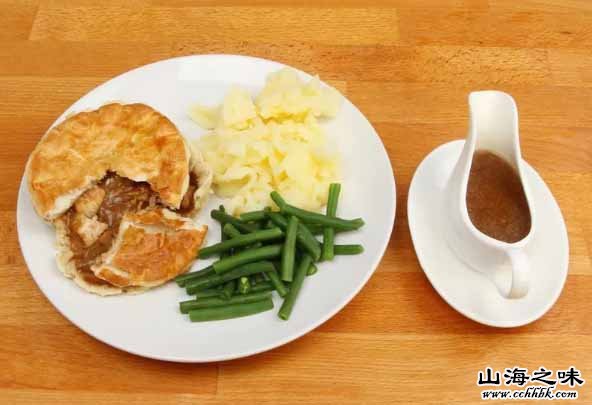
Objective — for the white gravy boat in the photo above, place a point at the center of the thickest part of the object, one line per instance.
(493, 126)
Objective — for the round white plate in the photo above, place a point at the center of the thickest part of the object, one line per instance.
(150, 324)
(468, 291)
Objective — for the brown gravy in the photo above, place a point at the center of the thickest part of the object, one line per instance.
(121, 195)
(495, 199)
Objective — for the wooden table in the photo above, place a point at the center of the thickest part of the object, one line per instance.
(409, 68)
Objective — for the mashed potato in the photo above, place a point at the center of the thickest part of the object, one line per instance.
(272, 143)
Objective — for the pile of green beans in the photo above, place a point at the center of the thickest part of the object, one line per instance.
(261, 252)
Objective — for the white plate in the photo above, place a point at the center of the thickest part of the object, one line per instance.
(150, 324)
(468, 291)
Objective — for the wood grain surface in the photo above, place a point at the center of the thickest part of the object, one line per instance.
(408, 65)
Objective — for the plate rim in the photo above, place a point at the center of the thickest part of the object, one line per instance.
(233, 355)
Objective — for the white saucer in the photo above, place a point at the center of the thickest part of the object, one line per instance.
(467, 291)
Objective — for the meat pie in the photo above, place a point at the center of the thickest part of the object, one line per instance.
(121, 185)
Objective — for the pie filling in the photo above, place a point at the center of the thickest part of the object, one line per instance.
(93, 221)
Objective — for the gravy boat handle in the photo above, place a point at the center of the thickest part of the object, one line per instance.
(520, 267)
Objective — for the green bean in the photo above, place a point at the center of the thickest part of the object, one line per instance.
(269, 224)
(228, 290)
(240, 241)
(230, 230)
(309, 242)
(315, 217)
(210, 302)
(278, 200)
(278, 219)
(230, 311)
(289, 250)
(224, 218)
(254, 216)
(295, 287)
(246, 256)
(348, 249)
(244, 285)
(329, 232)
(312, 269)
(277, 283)
(184, 278)
(317, 229)
(265, 277)
(223, 237)
(260, 287)
(211, 292)
(259, 277)
(305, 239)
(214, 279)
